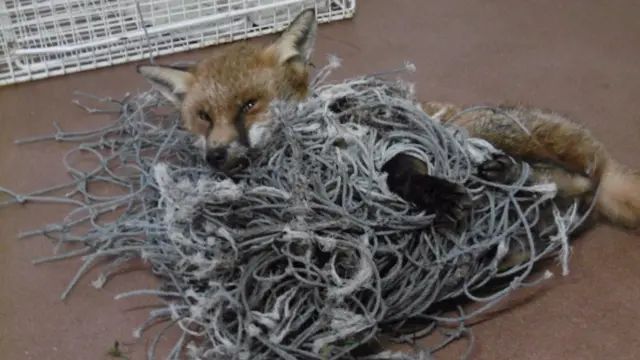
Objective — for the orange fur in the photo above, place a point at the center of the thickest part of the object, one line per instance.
(549, 135)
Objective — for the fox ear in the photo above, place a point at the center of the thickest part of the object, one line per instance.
(298, 40)
(172, 82)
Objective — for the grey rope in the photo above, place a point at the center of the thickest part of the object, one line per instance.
(307, 255)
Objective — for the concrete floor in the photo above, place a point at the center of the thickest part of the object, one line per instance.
(578, 57)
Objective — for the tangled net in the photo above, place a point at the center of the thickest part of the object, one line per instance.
(307, 255)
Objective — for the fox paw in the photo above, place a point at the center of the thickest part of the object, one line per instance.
(449, 201)
(499, 169)
(408, 178)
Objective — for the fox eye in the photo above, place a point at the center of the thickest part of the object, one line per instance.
(204, 116)
(248, 105)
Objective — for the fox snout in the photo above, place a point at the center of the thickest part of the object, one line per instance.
(216, 157)
(225, 159)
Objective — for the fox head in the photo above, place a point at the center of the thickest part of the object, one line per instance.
(224, 99)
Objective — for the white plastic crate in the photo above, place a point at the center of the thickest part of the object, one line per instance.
(44, 38)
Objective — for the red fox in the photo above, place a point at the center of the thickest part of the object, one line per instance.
(224, 100)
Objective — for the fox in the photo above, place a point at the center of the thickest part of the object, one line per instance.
(224, 101)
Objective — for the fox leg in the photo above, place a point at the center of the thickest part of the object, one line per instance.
(569, 183)
(409, 178)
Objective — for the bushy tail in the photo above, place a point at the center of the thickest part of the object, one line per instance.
(618, 196)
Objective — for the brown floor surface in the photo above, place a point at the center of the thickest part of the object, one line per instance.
(579, 57)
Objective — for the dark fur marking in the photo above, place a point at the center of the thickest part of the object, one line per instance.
(294, 58)
(552, 162)
(239, 122)
(185, 67)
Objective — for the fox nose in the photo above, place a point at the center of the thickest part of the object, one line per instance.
(216, 157)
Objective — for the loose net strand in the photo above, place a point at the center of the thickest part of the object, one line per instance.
(307, 254)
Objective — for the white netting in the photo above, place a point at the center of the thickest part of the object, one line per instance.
(44, 38)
